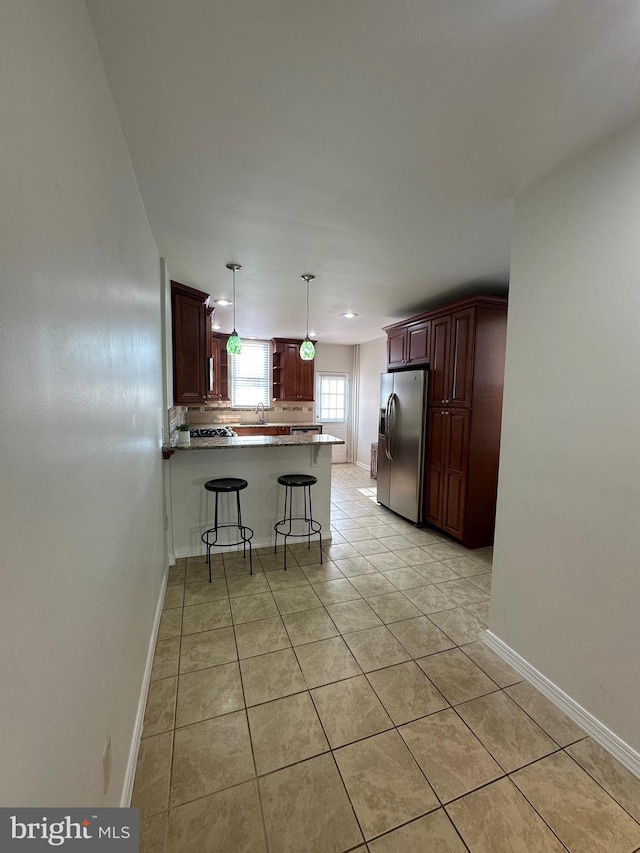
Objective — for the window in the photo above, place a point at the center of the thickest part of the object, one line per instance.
(250, 378)
(332, 396)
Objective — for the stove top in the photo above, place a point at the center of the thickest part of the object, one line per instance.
(213, 432)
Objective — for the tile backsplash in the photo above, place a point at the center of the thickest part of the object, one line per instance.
(218, 414)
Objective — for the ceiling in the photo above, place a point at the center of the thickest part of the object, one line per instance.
(375, 144)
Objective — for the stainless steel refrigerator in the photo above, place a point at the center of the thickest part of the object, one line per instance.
(402, 430)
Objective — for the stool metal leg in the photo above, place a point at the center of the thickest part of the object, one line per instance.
(244, 544)
(210, 545)
(306, 491)
(290, 491)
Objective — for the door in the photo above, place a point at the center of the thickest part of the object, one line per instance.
(305, 378)
(405, 442)
(419, 343)
(439, 364)
(190, 350)
(384, 461)
(461, 371)
(290, 379)
(436, 466)
(455, 485)
(447, 469)
(397, 348)
(332, 408)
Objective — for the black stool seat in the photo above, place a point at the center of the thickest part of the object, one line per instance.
(297, 480)
(307, 522)
(226, 484)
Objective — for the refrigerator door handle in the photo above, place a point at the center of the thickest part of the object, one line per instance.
(391, 425)
(386, 426)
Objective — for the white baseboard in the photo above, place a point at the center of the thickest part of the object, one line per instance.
(615, 746)
(362, 465)
(130, 773)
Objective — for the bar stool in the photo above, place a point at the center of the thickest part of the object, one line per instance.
(227, 485)
(291, 482)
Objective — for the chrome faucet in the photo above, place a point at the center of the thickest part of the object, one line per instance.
(260, 411)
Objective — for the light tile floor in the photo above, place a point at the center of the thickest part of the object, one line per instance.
(352, 706)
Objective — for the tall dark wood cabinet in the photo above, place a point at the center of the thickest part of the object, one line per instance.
(293, 378)
(467, 341)
(191, 327)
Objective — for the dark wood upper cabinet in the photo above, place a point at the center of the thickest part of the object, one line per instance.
(219, 368)
(439, 362)
(419, 343)
(293, 378)
(191, 324)
(451, 360)
(396, 348)
(460, 376)
(409, 346)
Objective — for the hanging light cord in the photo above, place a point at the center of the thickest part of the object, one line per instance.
(307, 309)
(234, 300)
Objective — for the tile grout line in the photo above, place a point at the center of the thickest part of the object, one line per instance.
(248, 724)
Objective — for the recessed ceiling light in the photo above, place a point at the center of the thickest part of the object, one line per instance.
(349, 315)
(216, 326)
(223, 302)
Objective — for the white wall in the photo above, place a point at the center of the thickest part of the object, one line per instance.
(566, 592)
(338, 358)
(372, 362)
(81, 550)
(333, 358)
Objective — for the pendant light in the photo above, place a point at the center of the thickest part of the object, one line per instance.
(234, 344)
(307, 349)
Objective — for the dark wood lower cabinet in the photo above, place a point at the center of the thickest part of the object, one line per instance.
(455, 475)
(447, 469)
(461, 477)
(261, 430)
(436, 467)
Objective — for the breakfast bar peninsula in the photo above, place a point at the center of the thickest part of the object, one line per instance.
(259, 460)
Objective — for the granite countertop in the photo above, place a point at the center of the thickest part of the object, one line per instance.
(259, 441)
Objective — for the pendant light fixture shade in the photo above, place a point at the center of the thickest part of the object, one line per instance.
(234, 344)
(307, 349)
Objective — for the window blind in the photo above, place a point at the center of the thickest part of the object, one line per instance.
(250, 375)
